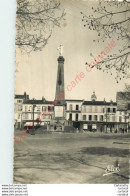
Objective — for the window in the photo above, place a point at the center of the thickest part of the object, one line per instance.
(26, 116)
(44, 109)
(43, 116)
(23, 116)
(108, 118)
(101, 117)
(89, 109)
(95, 109)
(90, 117)
(70, 116)
(30, 108)
(77, 107)
(114, 110)
(95, 117)
(38, 108)
(71, 107)
(46, 116)
(26, 108)
(108, 109)
(19, 108)
(113, 118)
(18, 116)
(77, 116)
(83, 108)
(49, 117)
(84, 117)
(120, 119)
(50, 108)
(38, 116)
(19, 101)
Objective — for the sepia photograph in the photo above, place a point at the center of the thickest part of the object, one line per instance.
(72, 92)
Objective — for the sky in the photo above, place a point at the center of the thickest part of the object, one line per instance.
(36, 73)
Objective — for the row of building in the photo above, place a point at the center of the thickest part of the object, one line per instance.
(85, 115)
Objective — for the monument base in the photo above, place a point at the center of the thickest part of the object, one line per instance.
(59, 112)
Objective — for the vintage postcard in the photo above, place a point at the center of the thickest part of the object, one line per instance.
(72, 92)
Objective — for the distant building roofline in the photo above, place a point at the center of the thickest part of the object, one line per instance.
(19, 96)
(38, 102)
(70, 100)
(99, 103)
(24, 96)
(78, 100)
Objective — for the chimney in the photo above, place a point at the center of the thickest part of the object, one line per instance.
(43, 98)
(25, 95)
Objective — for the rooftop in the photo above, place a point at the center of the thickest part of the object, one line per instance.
(99, 103)
(74, 100)
(33, 101)
(19, 96)
(24, 96)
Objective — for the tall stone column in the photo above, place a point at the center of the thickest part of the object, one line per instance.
(60, 90)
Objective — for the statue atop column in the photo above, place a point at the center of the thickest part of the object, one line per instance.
(60, 49)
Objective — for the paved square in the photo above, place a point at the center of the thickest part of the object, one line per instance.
(71, 158)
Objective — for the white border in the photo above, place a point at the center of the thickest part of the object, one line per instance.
(7, 66)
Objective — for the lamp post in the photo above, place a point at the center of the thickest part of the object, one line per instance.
(126, 116)
(106, 120)
(106, 116)
(33, 128)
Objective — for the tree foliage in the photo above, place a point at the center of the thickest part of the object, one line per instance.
(111, 19)
(35, 22)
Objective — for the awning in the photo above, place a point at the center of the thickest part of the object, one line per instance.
(42, 123)
(94, 126)
(30, 124)
(85, 126)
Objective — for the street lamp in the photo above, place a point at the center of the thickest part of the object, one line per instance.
(126, 116)
(33, 128)
(105, 115)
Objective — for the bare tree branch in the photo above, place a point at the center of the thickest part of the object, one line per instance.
(111, 19)
(35, 22)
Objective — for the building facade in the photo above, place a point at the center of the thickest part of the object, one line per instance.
(39, 111)
(99, 116)
(84, 115)
(94, 115)
(123, 111)
(18, 108)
